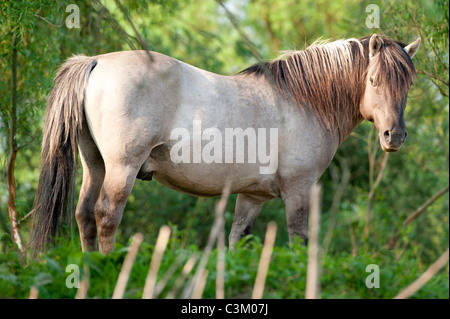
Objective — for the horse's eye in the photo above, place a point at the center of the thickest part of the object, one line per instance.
(372, 82)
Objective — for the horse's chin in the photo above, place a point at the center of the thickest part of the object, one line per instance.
(388, 149)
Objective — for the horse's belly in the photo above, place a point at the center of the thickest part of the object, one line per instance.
(208, 179)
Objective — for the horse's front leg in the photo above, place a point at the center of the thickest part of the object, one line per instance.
(296, 202)
(247, 210)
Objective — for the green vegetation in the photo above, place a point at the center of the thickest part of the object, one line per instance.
(355, 231)
(343, 276)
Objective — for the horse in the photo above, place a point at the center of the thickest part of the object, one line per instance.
(124, 113)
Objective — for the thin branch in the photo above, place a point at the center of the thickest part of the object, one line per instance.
(335, 204)
(393, 241)
(433, 80)
(29, 214)
(422, 208)
(373, 189)
(236, 25)
(140, 39)
(48, 22)
(116, 25)
(432, 76)
(380, 174)
(26, 143)
(371, 153)
(425, 277)
(353, 240)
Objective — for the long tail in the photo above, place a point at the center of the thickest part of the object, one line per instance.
(53, 204)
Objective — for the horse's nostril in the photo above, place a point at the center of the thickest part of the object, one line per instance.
(387, 135)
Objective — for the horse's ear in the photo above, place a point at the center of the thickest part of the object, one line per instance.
(374, 45)
(412, 48)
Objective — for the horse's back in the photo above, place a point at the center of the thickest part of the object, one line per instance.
(134, 103)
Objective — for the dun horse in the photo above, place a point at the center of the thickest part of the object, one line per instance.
(119, 111)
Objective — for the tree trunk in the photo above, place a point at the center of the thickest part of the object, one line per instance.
(12, 212)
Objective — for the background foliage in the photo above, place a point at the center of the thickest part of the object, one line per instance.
(199, 33)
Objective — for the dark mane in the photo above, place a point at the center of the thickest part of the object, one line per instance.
(329, 77)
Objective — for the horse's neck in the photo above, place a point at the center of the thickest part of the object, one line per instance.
(349, 116)
(347, 127)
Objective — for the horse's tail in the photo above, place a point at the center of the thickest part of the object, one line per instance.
(64, 117)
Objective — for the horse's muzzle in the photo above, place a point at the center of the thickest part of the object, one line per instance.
(392, 140)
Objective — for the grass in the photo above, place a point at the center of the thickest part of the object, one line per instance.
(342, 275)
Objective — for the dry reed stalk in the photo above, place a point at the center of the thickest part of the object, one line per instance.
(264, 261)
(200, 285)
(220, 278)
(84, 285)
(424, 278)
(167, 275)
(312, 278)
(160, 247)
(34, 292)
(209, 245)
(124, 274)
(184, 273)
(220, 209)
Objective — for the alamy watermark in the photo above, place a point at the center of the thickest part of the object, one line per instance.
(73, 19)
(73, 279)
(373, 18)
(373, 280)
(226, 148)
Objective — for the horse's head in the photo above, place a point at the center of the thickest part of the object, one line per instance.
(389, 76)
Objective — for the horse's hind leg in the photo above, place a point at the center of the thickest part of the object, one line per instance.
(93, 175)
(245, 214)
(116, 189)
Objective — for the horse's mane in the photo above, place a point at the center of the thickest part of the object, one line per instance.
(329, 77)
